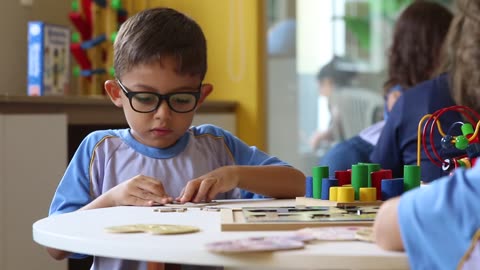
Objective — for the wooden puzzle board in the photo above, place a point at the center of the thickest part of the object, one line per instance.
(293, 218)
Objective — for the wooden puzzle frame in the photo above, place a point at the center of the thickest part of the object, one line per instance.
(294, 218)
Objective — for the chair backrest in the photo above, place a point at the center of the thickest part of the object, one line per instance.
(359, 108)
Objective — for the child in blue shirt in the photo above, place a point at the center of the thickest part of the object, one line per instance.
(160, 62)
(437, 225)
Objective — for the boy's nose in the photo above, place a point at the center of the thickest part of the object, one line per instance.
(163, 110)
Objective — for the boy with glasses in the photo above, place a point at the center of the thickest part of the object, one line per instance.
(160, 62)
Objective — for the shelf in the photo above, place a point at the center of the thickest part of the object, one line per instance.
(87, 110)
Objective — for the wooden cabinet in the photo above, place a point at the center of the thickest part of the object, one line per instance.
(33, 158)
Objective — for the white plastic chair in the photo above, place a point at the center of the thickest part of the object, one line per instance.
(359, 108)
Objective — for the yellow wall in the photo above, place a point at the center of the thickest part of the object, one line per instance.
(236, 57)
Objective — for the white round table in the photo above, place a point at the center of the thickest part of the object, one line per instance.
(83, 232)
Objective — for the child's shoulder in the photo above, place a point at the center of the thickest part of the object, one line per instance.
(100, 134)
(97, 136)
(209, 129)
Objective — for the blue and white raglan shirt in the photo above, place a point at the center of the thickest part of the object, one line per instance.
(107, 158)
(440, 222)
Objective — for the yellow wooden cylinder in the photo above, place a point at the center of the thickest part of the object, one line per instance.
(345, 194)
(368, 194)
(332, 195)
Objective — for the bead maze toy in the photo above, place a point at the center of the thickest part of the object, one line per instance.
(466, 140)
(96, 23)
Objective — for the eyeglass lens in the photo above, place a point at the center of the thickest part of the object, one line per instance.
(179, 102)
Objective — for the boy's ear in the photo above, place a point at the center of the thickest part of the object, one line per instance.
(113, 91)
(204, 92)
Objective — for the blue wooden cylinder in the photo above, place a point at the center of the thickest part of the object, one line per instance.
(309, 187)
(326, 184)
(392, 188)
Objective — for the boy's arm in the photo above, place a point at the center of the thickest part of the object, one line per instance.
(272, 181)
(437, 222)
(275, 181)
(58, 254)
(386, 228)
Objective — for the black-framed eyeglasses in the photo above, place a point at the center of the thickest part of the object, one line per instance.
(145, 102)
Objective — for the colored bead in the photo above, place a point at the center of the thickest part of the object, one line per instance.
(467, 129)
(461, 142)
(447, 142)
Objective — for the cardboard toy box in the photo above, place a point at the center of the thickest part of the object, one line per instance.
(48, 59)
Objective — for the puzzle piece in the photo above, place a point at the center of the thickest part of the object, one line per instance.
(153, 229)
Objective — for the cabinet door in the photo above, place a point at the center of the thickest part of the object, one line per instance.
(3, 246)
(33, 159)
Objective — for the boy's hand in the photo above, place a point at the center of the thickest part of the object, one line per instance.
(206, 187)
(140, 190)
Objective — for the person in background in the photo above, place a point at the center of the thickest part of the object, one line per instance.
(419, 33)
(397, 145)
(160, 60)
(281, 38)
(438, 224)
(331, 79)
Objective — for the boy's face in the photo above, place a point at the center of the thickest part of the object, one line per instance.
(162, 127)
(325, 87)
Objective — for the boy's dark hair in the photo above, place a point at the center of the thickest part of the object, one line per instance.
(332, 70)
(419, 35)
(158, 33)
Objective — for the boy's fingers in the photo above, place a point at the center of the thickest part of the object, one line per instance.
(204, 189)
(136, 201)
(190, 191)
(181, 195)
(148, 196)
(212, 193)
(152, 186)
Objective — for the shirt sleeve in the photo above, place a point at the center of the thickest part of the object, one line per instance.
(438, 221)
(73, 191)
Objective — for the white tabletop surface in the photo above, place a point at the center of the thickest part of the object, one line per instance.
(83, 232)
